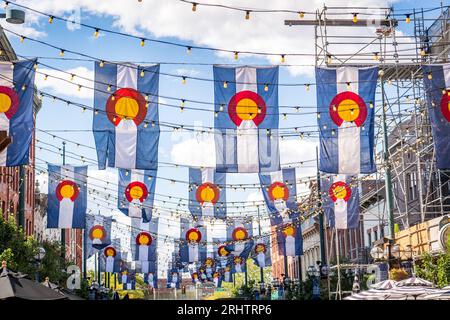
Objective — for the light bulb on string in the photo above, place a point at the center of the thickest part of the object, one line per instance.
(189, 50)
(283, 60)
(301, 14)
(194, 6)
(96, 33)
(142, 42)
(102, 63)
(236, 55)
(247, 15)
(408, 18)
(50, 19)
(61, 53)
(355, 18)
(183, 80)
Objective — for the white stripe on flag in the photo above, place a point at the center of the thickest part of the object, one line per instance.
(7, 73)
(349, 145)
(279, 204)
(446, 70)
(135, 206)
(109, 264)
(261, 258)
(340, 208)
(126, 130)
(66, 205)
(145, 265)
(143, 253)
(247, 132)
(208, 207)
(290, 246)
(238, 268)
(193, 252)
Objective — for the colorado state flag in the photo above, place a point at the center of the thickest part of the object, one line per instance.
(207, 193)
(341, 202)
(151, 277)
(98, 233)
(137, 193)
(67, 197)
(110, 259)
(261, 252)
(193, 237)
(279, 189)
(437, 90)
(16, 110)
(144, 244)
(290, 239)
(246, 122)
(126, 122)
(345, 100)
(240, 233)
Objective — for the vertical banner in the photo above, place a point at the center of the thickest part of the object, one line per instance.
(67, 197)
(221, 252)
(437, 90)
(240, 234)
(126, 121)
(137, 193)
(207, 193)
(239, 264)
(16, 111)
(144, 242)
(261, 252)
(98, 233)
(341, 201)
(151, 277)
(290, 239)
(246, 122)
(111, 257)
(192, 242)
(345, 111)
(279, 189)
(173, 277)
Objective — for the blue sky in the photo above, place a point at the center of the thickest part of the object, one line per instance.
(260, 33)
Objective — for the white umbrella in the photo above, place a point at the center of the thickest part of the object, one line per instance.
(384, 285)
(414, 281)
(439, 295)
(411, 289)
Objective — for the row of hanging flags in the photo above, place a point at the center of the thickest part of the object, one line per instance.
(126, 132)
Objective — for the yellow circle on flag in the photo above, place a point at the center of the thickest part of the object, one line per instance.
(144, 239)
(5, 102)
(278, 193)
(136, 192)
(340, 192)
(97, 233)
(193, 236)
(67, 191)
(127, 108)
(348, 110)
(247, 109)
(240, 235)
(289, 231)
(207, 194)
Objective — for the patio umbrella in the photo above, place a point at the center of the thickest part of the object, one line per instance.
(378, 291)
(19, 286)
(443, 294)
(414, 281)
(60, 290)
(411, 289)
(384, 285)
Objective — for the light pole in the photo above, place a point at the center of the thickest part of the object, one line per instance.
(314, 274)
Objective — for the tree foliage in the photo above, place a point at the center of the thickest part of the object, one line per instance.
(435, 268)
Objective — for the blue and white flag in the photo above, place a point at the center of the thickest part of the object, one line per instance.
(217, 279)
(238, 264)
(207, 194)
(345, 100)
(193, 239)
(221, 252)
(137, 193)
(173, 277)
(126, 121)
(98, 235)
(279, 189)
(261, 252)
(240, 234)
(16, 111)
(67, 197)
(290, 239)
(143, 242)
(341, 202)
(127, 278)
(151, 277)
(111, 258)
(437, 90)
(246, 122)
(227, 272)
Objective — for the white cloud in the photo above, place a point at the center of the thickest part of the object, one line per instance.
(197, 151)
(221, 28)
(66, 88)
(187, 72)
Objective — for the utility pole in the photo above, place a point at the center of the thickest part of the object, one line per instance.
(63, 231)
(388, 178)
(261, 269)
(319, 206)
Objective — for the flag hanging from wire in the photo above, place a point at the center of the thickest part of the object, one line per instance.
(144, 244)
(126, 121)
(111, 257)
(279, 189)
(173, 277)
(289, 238)
(67, 197)
(239, 236)
(207, 194)
(341, 201)
(246, 119)
(137, 193)
(221, 252)
(261, 252)
(16, 112)
(192, 242)
(436, 80)
(345, 100)
(151, 277)
(98, 230)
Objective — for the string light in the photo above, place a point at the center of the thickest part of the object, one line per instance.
(142, 73)
(355, 18)
(225, 84)
(329, 60)
(282, 58)
(183, 80)
(422, 52)
(301, 14)
(430, 76)
(375, 56)
(45, 77)
(266, 87)
(102, 63)
(22, 39)
(194, 7)
(96, 33)
(61, 53)
(247, 15)
(189, 50)
(408, 18)
(142, 42)
(307, 87)
(108, 88)
(50, 19)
